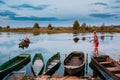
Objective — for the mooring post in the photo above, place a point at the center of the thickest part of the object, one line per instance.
(9, 55)
(86, 62)
(65, 55)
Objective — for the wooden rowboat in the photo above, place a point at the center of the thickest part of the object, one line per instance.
(52, 64)
(13, 64)
(107, 66)
(37, 64)
(74, 62)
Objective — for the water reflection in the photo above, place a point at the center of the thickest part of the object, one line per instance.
(76, 39)
(36, 33)
(75, 34)
(102, 37)
(111, 37)
(83, 38)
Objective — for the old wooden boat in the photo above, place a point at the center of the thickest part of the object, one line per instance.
(74, 62)
(15, 75)
(37, 64)
(107, 66)
(13, 64)
(52, 64)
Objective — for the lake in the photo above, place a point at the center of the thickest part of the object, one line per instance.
(49, 44)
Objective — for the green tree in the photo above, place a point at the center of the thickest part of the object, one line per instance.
(36, 25)
(76, 25)
(83, 25)
(7, 26)
(50, 27)
(0, 27)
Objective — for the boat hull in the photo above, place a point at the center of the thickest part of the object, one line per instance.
(11, 66)
(70, 64)
(38, 56)
(55, 67)
(103, 70)
(52, 71)
(72, 71)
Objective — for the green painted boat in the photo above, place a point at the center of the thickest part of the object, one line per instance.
(37, 64)
(52, 64)
(13, 64)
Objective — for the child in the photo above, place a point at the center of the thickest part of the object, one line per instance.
(96, 43)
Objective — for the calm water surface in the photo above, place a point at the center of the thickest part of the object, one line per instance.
(49, 44)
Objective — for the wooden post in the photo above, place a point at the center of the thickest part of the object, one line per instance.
(65, 55)
(86, 63)
(9, 55)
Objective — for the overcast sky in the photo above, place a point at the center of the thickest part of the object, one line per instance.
(24, 13)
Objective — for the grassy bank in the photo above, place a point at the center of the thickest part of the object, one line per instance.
(60, 30)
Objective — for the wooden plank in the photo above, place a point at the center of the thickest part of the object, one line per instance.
(105, 62)
(113, 69)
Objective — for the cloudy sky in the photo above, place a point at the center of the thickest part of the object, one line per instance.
(24, 13)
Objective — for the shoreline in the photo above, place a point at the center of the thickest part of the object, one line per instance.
(59, 30)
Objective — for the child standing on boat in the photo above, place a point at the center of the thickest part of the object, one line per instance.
(96, 43)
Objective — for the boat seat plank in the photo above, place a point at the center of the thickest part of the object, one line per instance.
(72, 66)
(105, 62)
(53, 63)
(50, 66)
(118, 75)
(113, 69)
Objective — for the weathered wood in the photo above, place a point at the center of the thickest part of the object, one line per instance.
(74, 62)
(113, 69)
(105, 62)
(108, 65)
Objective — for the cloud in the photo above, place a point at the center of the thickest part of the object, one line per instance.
(2, 2)
(7, 13)
(102, 15)
(100, 3)
(33, 18)
(117, 1)
(23, 6)
(13, 16)
(115, 7)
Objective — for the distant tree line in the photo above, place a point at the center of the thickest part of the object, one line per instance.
(77, 27)
(8, 26)
(36, 25)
